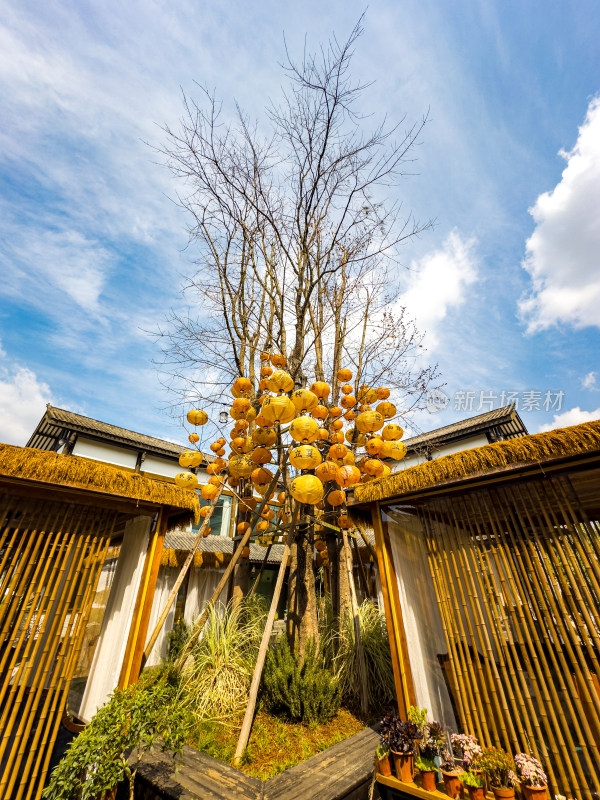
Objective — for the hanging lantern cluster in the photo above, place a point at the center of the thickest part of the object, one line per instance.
(334, 443)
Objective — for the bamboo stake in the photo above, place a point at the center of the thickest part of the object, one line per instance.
(367, 542)
(262, 651)
(180, 578)
(364, 697)
(197, 630)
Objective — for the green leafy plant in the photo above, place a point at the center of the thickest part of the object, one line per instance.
(434, 740)
(472, 779)
(111, 748)
(340, 652)
(425, 764)
(383, 750)
(300, 690)
(498, 767)
(418, 716)
(217, 674)
(178, 638)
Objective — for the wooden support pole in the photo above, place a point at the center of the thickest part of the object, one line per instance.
(364, 699)
(180, 578)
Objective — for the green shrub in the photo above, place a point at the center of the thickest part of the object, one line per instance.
(178, 638)
(299, 691)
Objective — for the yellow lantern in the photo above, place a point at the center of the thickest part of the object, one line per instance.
(190, 458)
(348, 401)
(242, 527)
(281, 381)
(305, 457)
(369, 421)
(260, 455)
(241, 387)
(326, 471)
(374, 445)
(265, 437)
(242, 444)
(260, 476)
(278, 360)
(383, 393)
(193, 438)
(322, 435)
(321, 389)
(281, 497)
(241, 466)
(204, 511)
(208, 491)
(266, 371)
(307, 489)
(320, 412)
(349, 459)
(336, 497)
(344, 375)
(263, 525)
(354, 437)
(278, 409)
(347, 476)
(386, 471)
(392, 433)
(387, 410)
(373, 467)
(260, 421)
(197, 417)
(337, 452)
(304, 400)
(394, 449)
(186, 480)
(207, 532)
(304, 429)
(335, 412)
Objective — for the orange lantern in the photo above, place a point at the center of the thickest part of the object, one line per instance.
(239, 426)
(337, 424)
(281, 497)
(373, 467)
(344, 522)
(322, 435)
(268, 514)
(260, 455)
(260, 476)
(305, 457)
(245, 553)
(348, 401)
(387, 410)
(263, 525)
(374, 445)
(336, 497)
(321, 389)
(193, 438)
(264, 356)
(278, 409)
(208, 492)
(197, 417)
(242, 444)
(347, 388)
(204, 511)
(247, 504)
(335, 412)
(186, 480)
(216, 466)
(336, 437)
(392, 433)
(207, 532)
(242, 527)
(241, 404)
(350, 415)
(337, 451)
(326, 471)
(278, 360)
(307, 489)
(260, 421)
(266, 371)
(220, 452)
(369, 421)
(241, 387)
(349, 459)
(383, 393)
(281, 381)
(215, 480)
(304, 429)
(344, 375)
(320, 545)
(263, 384)
(320, 412)
(347, 476)
(304, 400)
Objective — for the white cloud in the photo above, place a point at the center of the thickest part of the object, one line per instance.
(573, 416)
(438, 284)
(23, 401)
(589, 381)
(563, 252)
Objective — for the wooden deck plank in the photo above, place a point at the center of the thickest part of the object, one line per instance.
(194, 761)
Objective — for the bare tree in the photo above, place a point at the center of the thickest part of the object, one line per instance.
(298, 245)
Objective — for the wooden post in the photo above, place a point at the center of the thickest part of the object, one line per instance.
(180, 578)
(364, 700)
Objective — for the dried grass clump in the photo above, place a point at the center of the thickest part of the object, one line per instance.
(216, 676)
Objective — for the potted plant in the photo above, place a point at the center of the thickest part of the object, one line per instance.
(499, 769)
(384, 766)
(431, 746)
(532, 776)
(465, 748)
(403, 736)
(451, 772)
(475, 784)
(384, 761)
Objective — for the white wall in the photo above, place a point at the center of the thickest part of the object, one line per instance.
(169, 467)
(463, 444)
(111, 454)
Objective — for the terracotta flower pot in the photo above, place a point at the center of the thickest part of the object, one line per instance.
(403, 762)
(452, 784)
(503, 794)
(534, 792)
(428, 779)
(476, 792)
(384, 766)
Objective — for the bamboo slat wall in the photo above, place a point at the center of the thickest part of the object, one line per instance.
(50, 559)
(517, 578)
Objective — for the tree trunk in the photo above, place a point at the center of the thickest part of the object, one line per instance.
(302, 623)
(339, 586)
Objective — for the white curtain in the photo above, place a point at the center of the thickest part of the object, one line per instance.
(201, 587)
(110, 649)
(422, 623)
(164, 584)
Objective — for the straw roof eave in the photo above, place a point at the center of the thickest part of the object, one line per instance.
(534, 450)
(73, 472)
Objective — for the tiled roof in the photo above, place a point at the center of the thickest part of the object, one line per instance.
(457, 430)
(56, 419)
(183, 540)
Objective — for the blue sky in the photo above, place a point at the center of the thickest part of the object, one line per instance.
(92, 246)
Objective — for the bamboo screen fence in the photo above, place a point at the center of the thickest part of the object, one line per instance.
(516, 572)
(50, 559)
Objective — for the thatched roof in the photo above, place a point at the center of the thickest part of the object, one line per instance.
(27, 463)
(539, 448)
